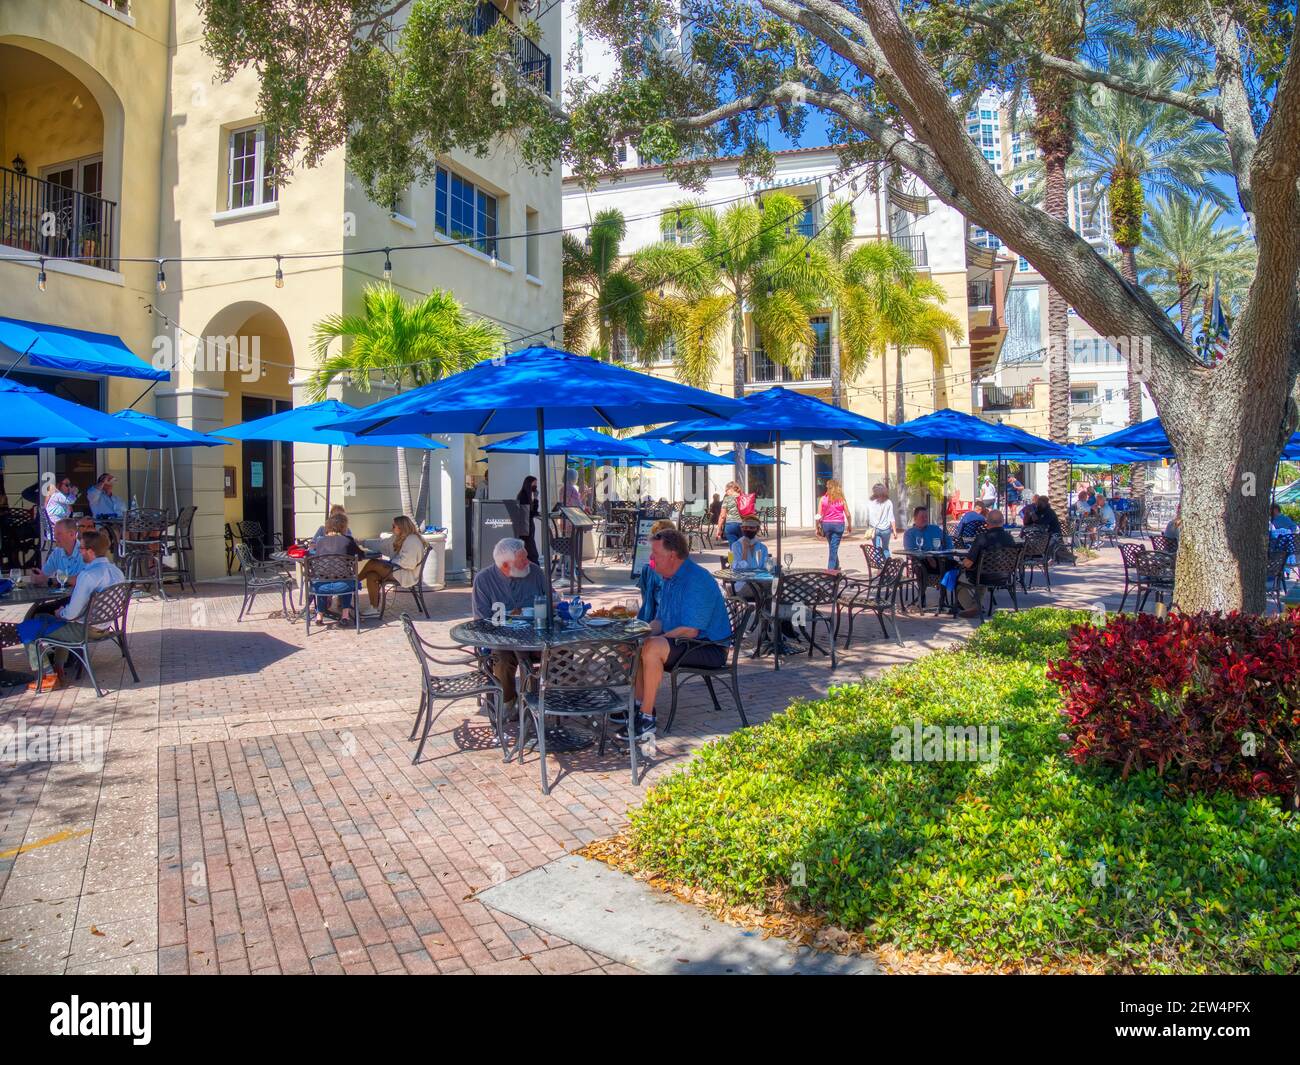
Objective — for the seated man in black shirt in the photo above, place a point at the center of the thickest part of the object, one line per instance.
(994, 534)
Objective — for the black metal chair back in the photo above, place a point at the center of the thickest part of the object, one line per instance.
(105, 619)
(1160, 542)
(608, 664)
(320, 569)
(416, 591)
(252, 534)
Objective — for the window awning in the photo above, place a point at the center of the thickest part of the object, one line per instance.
(76, 350)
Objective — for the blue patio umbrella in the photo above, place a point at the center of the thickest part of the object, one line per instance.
(538, 388)
(777, 414)
(315, 423)
(586, 443)
(28, 414)
(170, 435)
(1150, 436)
(752, 458)
(956, 434)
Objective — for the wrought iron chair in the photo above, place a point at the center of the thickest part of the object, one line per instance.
(1155, 575)
(582, 680)
(966, 536)
(1276, 574)
(262, 577)
(475, 683)
(104, 619)
(330, 569)
(181, 545)
(416, 591)
(772, 516)
(254, 536)
(18, 529)
(229, 536)
(1162, 543)
(740, 613)
(1037, 545)
(1128, 552)
(144, 539)
(997, 568)
(692, 527)
(878, 593)
(797, 598)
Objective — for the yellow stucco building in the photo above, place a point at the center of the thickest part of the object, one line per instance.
(117, 143)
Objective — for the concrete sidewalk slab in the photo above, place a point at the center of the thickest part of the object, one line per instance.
(611, 913)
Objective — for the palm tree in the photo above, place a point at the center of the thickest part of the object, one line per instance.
(408, 343)
(886, 302)
(747, 257)
(603, 297)
(1184, 248)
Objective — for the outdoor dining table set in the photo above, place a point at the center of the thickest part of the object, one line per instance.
(16, 606)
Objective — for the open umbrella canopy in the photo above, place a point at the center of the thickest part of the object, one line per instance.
(781, 414)
(669, 451)
(315, 424)
(27, 414)
(584, 443)
(964, 436)
(169, 434)
(1150, 436)
(752, 458)
(505, 395)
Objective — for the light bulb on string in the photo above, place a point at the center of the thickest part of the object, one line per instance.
(388, 265)
(162, 277)
(279, 273)
(40, 276)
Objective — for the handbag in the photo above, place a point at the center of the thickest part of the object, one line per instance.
(821, 533)
(745, 504)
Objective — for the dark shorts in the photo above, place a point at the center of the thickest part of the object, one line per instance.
(681, 653)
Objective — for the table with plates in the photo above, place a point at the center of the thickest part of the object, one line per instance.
(16, 606)
(763, 582)
(522, 635)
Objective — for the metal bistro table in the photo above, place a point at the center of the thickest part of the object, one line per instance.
(952, 555)
(523, 636)
(770, 638)
(298, 562)
(17, 606)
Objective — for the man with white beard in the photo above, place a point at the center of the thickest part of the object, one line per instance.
(513, 582)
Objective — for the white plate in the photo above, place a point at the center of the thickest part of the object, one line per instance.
(598, 622)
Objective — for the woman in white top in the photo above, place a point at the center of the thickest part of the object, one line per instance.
(880, 518)
(403, 566)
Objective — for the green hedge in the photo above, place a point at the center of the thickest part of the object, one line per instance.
(1026, 858)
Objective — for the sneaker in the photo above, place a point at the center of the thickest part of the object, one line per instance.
(619, 717)
(48, 683)
(369, 612)
(645, 726)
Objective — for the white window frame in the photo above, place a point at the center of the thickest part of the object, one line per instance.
(259, 170)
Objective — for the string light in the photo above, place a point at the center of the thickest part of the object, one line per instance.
(388, 264)
(279, 273)
(162, 278)
(40, 277)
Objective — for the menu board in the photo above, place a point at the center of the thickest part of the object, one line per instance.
(641, 554)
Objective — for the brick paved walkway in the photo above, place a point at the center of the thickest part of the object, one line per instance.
(257, 809)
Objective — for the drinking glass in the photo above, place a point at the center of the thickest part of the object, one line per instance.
(15, 575)
(789, 559)
(61, 576)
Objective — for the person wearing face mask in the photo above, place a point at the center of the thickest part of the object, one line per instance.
(513, 582)
(751, 554)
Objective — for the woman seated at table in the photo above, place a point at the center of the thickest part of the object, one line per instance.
(103, 504)
(649, 580)
(751, 554)
(403, 566)
(337, 508)
(335, 541)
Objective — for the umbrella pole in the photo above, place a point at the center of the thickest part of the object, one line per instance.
(943, 514)
(176, 503)
(776, 503)
(544, 481)
(329, 477)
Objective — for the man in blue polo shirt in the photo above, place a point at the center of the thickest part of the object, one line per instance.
(690, 607)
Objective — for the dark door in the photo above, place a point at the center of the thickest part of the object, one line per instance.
(259, 467)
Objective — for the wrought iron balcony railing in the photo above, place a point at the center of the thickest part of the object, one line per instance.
(533, 64)
(48, 219)
(997, 398)
(764, 371)
(914, 245)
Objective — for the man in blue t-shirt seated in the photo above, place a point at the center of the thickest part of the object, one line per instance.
(975, 517)
(690, 607)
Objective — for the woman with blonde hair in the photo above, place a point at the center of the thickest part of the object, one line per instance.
(403, 566)
(833, 520)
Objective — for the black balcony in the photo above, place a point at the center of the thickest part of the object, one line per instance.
(533, 65)
(914, 245)
(990, 398)
(48, 219)
(764, 371)
(979, 293)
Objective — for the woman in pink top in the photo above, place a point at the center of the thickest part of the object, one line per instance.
(833, 514)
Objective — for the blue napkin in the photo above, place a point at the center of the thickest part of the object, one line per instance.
(949, 580)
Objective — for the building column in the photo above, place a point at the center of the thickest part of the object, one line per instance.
(200, 472)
